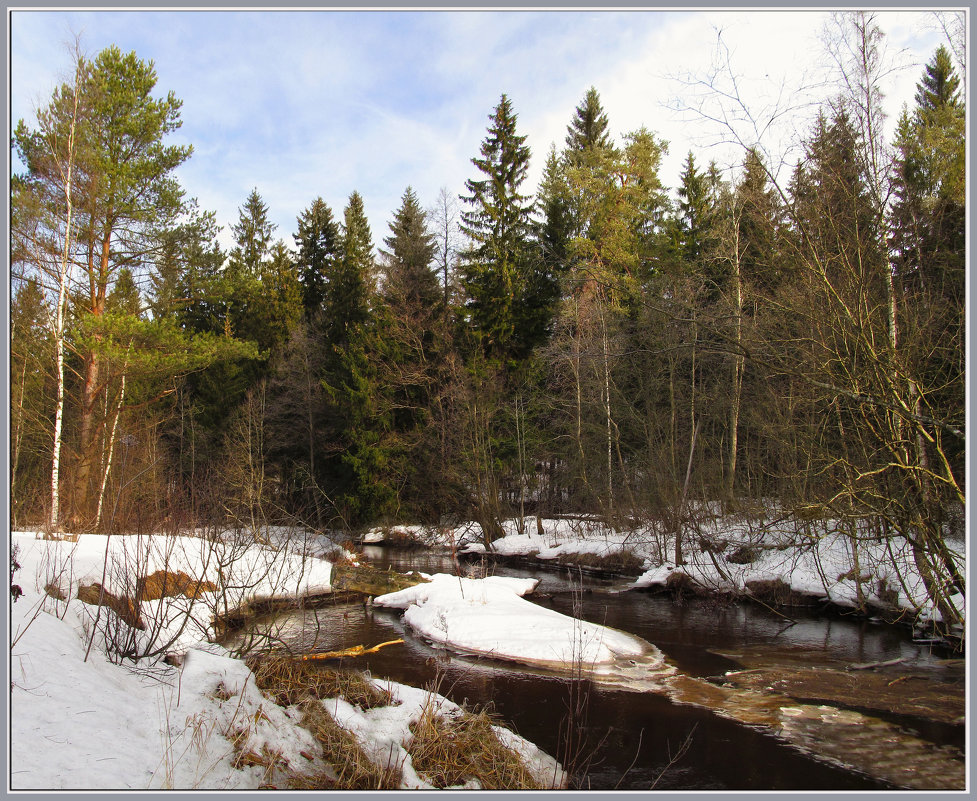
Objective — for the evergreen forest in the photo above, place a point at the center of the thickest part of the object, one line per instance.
(600, 344)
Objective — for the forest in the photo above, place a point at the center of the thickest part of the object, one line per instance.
(598, 345)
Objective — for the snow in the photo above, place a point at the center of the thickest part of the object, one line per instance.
(80, 723)
(79, 720)
(811, 557)
(382, 731)
(489, 617)
(560, 538)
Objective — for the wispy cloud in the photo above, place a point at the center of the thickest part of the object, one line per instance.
(303, 104)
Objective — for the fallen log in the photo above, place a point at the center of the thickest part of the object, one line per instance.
(356, 650)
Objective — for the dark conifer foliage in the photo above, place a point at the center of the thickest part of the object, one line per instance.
(694, 208)
(410, 284)
(588, 128)
(602, 347)
(317, 241)
(252, 236)
(497, 272)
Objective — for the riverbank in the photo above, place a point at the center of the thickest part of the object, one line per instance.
(132, 695)
(782, 562)
(210, 725)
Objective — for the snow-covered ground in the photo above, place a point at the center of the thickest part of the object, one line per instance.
(79, 720)
(488, 617)
(819, 559)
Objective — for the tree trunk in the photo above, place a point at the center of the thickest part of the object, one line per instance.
(64, 280)
(737, 378)
(97, 278)
(111, 446)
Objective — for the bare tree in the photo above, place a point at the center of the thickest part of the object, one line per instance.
(444, 217)
(51, 153)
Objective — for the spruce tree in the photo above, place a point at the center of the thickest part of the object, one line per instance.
(358, 410)
(759, 221)
(411, 287)
(498, 228)
(940, 84)
(349, 286)
(556, 225)
(588, 128)
(317, 241)
(252, 236)
(693, 207)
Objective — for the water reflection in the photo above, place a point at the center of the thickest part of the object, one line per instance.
(630, 738)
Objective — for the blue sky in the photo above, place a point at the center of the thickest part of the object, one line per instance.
(301, 104)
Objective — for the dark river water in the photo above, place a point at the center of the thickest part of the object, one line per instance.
(623, 739)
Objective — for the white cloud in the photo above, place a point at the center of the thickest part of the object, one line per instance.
(307, 104)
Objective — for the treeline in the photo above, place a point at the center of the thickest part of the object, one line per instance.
(593, 347)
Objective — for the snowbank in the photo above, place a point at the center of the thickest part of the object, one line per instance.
(489, 617)
(827, 567)
(560, 538)
(80, 723)
(813, 558)
(242, 570)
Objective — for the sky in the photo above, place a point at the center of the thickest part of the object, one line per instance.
(303, 104)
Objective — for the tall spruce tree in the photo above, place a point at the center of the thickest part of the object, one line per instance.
(413, 349)
(693, 207)
(252, 236)
(410, 285)
(317, 241)
(495, 265)
(588, 128)
(359, 413)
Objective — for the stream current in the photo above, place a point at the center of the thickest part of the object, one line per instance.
(696, 736)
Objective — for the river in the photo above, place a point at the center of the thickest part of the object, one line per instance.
(625, 739)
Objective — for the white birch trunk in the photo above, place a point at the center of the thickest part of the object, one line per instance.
(64, 280)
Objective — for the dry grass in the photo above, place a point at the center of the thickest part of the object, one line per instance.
(290, 681)
(124, 607)
(340, 749)
(448, 751)
(163, 584)
(54, 591)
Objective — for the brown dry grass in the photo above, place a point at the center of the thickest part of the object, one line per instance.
(340, 748)
(290, 681)
(125, 608)
(163, 584)
(449, 751)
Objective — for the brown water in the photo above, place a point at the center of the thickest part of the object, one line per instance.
(636, 740)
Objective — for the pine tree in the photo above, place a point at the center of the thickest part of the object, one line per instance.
(498, 228)
(120, 195)
(317, 241)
